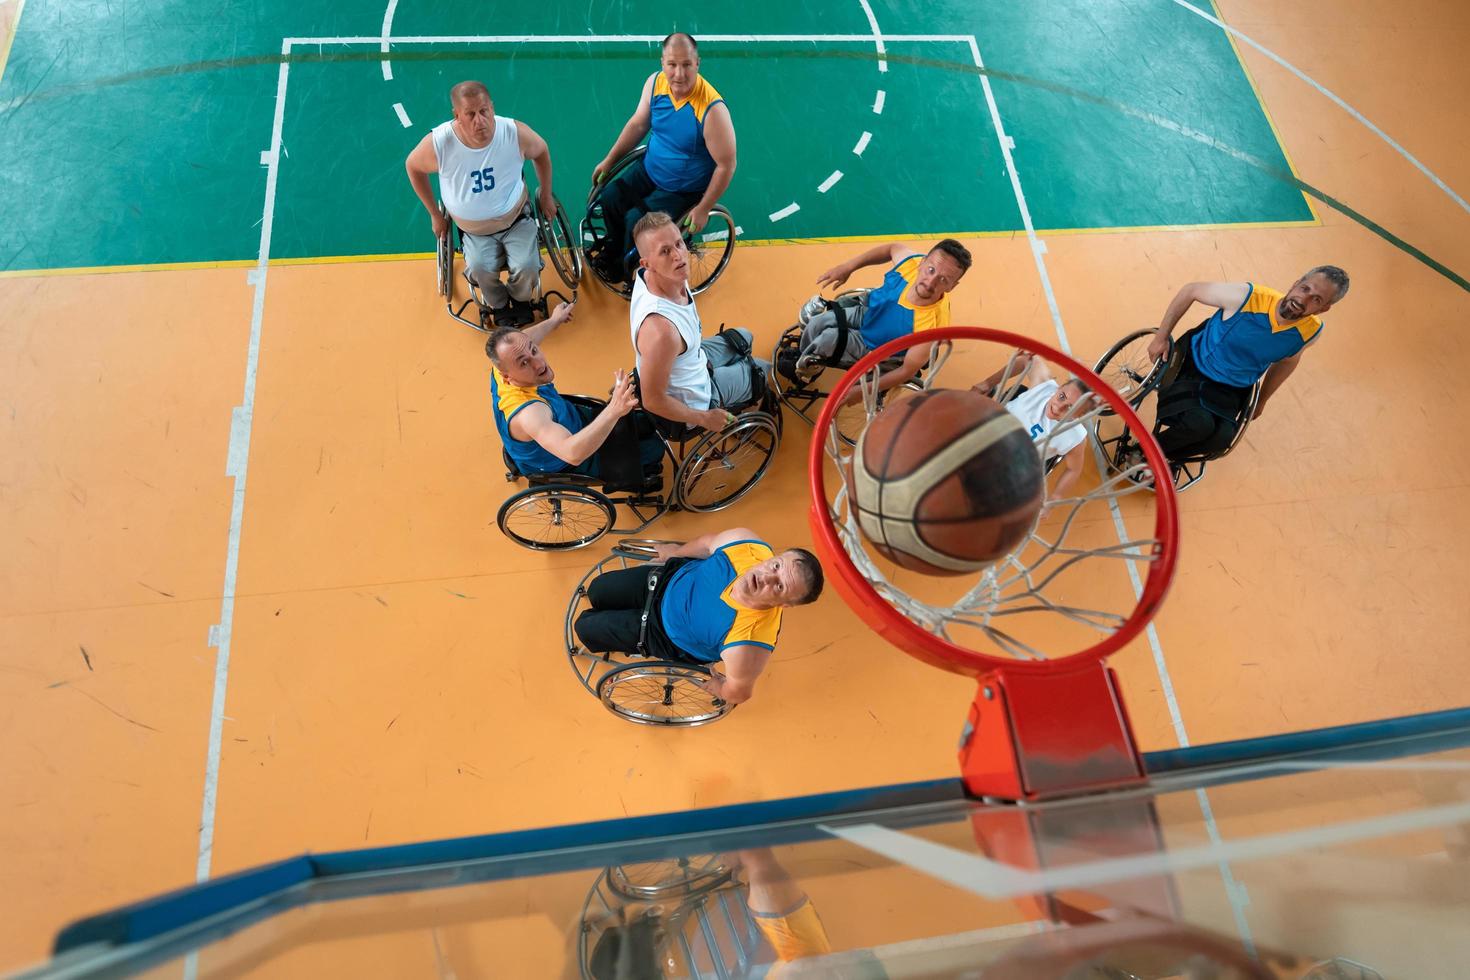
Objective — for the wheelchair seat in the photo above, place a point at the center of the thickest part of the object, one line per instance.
(554, 240)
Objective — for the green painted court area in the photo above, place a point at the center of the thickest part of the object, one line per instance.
(142, 144)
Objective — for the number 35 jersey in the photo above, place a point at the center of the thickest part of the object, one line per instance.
(482, 189)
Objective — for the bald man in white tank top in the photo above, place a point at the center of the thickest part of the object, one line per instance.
(683, 376)
(478, 157)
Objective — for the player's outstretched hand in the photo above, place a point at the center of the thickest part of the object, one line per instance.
(622, 400)
(834, 277)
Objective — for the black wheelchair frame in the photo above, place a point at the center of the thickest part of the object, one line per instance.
(563, 511)
(709, 250)
(1128, 369)
(554, 237)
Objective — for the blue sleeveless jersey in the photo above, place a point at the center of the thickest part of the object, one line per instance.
(508, 399)
(677, 158)
(1237, 349)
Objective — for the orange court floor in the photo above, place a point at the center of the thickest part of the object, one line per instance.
(396, 669)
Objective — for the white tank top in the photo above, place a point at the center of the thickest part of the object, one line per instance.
(689, 376)
(481, 187)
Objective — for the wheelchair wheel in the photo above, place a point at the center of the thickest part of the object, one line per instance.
(445, 263)
(656, 881)
(721, 467)
(556, 517)
(710, 249)
(660, 693)
(560, 244)
(1128, 369)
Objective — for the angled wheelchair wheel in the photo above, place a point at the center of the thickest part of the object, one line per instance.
(1128, 369)
(710, 249)
(623, 163)
(592, 231)
(560, 244)
(556, 517)
(660, 693)
(655, 881)
(721, 467)
(444, 265)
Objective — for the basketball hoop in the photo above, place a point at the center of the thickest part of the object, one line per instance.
(1058, 604)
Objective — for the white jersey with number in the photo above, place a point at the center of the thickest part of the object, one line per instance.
(481, 188)
(1029, 408)
(689, 381)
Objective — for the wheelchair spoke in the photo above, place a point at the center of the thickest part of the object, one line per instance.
(727, 468)
(710, 250)
(555, 519)
(659, 695)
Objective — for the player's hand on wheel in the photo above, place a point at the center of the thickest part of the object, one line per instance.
(440, 222)
(696, 219)
(715, 685)
(547, 202)
(664, 551)
(715, 419)
(1159, 346)
(599, 172)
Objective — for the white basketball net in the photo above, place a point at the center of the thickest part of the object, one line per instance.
(1013, 587)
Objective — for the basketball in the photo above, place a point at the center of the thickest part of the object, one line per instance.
(946, 482)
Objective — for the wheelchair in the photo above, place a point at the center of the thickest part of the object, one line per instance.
(701, 923)
(554, 238)
(711, 471)
(804, 395)
(640, 689)
(1128, 369)
(709, 250)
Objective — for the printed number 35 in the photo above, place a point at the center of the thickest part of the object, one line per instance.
(484, 180)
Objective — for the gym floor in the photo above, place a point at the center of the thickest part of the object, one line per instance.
(230, 280)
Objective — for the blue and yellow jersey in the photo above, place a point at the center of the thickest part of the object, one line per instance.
(891, 314)
(1237, 349)
(677, 158)
(794, 935)
(508, 399)
(701, 616)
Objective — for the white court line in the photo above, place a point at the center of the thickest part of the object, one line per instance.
(877, 35)
(992, 879)
(1372, 127)
(402, 114)
(238, 457)
(383, 40)
(878, 102)
(785, 212)
(862, 143)
(833, 178)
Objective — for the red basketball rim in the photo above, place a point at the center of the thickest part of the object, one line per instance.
(897, 628)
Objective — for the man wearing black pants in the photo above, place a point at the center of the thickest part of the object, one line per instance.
(716, 599)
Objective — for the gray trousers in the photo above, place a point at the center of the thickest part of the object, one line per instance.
(820, 335)
(734, 373)
(514, 248)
